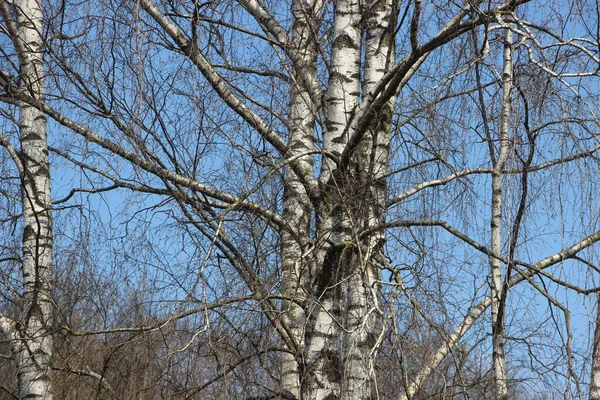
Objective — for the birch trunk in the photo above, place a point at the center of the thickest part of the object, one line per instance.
(35, 347)
(297, 206)
(345, 320)
(500, 383)
(324, 352)
(595, 375)
(363, 324)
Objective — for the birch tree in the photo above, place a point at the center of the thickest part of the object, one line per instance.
(595, 369)
(499, 162)
(346, 135)
(29, 333)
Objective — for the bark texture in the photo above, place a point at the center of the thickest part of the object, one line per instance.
(343, 316)
(500, 379)
(297, 206)
(330, 144)
(34, 350)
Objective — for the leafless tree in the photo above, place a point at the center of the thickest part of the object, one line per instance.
(305, 199)
(29, 334)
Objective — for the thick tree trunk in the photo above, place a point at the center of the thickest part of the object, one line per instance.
(35, 347)
(363, 317)
(325, 353)
(344, 320)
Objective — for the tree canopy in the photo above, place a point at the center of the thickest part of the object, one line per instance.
(310, 199)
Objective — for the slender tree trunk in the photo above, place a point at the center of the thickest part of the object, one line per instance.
(35, 347)
(595, 375)
(297, 206)
(500, 382)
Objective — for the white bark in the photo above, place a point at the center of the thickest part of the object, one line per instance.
(334, 325)
(475, 313)
(343, 92)
(297, 207)
(363, 317)
(35, 347)
(325, 353)
(9, 331)
(500, 382)
(380, 55)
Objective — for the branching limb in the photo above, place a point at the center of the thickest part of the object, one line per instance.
(14, 154)
(165, 321)
(146, 165)
(400, 74)
(218, 84)
(89, 373)
(270, 25)
(474, 171)
(476, 312)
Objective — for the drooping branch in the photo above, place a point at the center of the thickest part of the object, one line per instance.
(475, 171)
(165, 321)
(270, 25)
(14, 93)
(213, 77)
(475, 313)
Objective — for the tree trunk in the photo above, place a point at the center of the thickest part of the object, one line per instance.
(595, 375)
(500, 382)
(297, 206)
(363, 324)
(35, 347)
(343, 318)
(324, 359)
